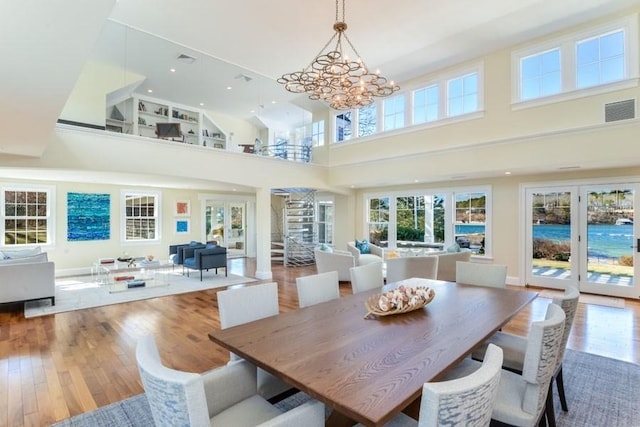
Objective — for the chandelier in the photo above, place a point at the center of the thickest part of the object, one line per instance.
(337, 80)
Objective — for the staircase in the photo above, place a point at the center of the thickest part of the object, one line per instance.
(298, 229)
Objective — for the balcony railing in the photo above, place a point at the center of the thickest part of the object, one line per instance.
(294, 153)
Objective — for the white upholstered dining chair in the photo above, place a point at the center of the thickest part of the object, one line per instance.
(522, 398)
(515, 347)
(466, 401)
(226, 396)
(246, 304)
(367, 276)
(317, 288)
(425, 267)
(476, 273)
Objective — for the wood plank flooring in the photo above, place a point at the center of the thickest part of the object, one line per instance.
(58, 366)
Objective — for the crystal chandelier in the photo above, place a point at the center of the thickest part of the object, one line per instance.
(337, 80)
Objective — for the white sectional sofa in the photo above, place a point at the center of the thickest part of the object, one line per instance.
(26, 276)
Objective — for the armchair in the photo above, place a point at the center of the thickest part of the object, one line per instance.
(205, 258)
(340, 261)
(176, 256)
(225, 396)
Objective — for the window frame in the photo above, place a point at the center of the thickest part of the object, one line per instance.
(50, 213)
(157, 215)
(318, 133)
(568, 63)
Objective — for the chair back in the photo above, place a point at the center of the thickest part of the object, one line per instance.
(317, 288)
(467, 401)
(569, 304)
(367, 276)
(475, 273)
(340, 261)
(425, 267)
(176, 398)
(243, 305)
(447, 264)
(543, 347)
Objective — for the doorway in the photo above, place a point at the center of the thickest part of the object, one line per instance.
(584, 235)
(226, 223)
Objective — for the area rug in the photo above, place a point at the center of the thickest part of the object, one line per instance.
(600, 392)
(75, 293)
(588, 298)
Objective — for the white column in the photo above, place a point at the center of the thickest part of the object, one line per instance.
(263, 234)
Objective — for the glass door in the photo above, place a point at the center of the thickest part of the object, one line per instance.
(215, 220)
(551, 237)
(609, 242)
(237, 229)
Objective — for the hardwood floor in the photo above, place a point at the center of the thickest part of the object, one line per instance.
(58, 366)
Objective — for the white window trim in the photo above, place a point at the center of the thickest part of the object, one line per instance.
(568, 46)
(123, 216)
(51, 209)
(449, 206)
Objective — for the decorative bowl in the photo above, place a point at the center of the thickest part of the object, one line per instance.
(400, 300)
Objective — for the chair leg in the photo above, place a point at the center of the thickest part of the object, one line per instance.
(549, 409)
(201, 275)
(560, 385)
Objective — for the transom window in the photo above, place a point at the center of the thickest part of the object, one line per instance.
(26, 216)
(343, 126)
(367, 120)
(317, 132)
(425, 104)
(462, 95)
(600, 60)
(394, 112)
(141, 216)
(540, 74)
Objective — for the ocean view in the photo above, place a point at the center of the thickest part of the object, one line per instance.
(604, 240)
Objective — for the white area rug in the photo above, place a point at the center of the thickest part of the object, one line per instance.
(75, 293)
(589, 298)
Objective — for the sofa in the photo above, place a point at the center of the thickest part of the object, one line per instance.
(26, 276)
(211, 256)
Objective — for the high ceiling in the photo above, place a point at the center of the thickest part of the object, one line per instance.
(245, 45)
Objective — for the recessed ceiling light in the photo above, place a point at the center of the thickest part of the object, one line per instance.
(149, 90)
(507, 173)
(416, 180)
(273, 102)
(173, 70)
(229, 87)
(202, 104)
(252, 111)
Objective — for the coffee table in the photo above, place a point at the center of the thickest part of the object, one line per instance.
(126, 278)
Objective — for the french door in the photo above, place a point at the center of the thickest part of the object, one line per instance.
(226, 223)
(584, 235)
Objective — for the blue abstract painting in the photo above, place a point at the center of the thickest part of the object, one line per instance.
(88, 216)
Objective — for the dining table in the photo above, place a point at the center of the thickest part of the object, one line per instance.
(367, 369)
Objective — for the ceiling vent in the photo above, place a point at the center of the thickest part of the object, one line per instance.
(621, 110)
(186, 59)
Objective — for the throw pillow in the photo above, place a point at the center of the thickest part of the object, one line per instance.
(454, 248)
(363, 246)
(326, 248)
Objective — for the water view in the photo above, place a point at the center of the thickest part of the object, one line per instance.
(604, 240)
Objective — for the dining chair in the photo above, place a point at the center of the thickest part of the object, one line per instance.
(246, 304)
(523, 398)
(447, 264)
(367, 276)
(515, 346)
(317, 288)
(225, 396)
(425, 267)
(466, 401)
(476, 273)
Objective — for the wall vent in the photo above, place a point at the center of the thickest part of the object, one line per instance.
(621, 110)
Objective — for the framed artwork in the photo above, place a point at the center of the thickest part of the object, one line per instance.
(88, 216)
(182, 225)
(183, 208)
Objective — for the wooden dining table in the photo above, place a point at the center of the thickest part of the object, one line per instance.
(367, 370)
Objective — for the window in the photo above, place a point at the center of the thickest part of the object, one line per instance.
(600, 60)
(343, 126)
(367, 120)
(425, 104)
(325, 222)
(27, 216)
(462, 95)
(596, 60)
(378, 220)
(317, 133)
(394, 112)
(470, 221)
(435, 219)
(540, 74)
(141, 220)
